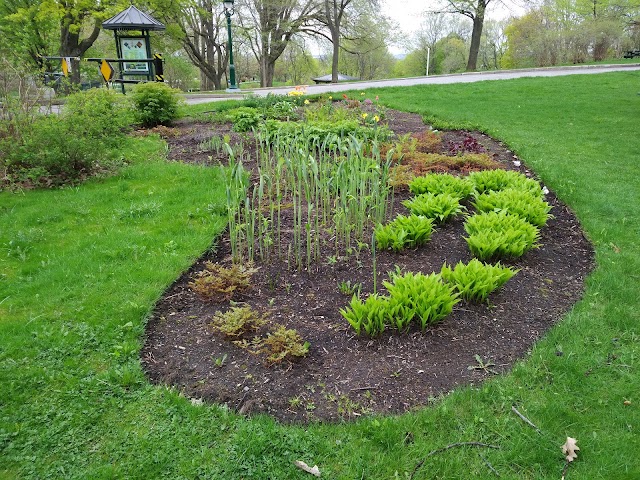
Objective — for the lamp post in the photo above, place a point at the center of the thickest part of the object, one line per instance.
(228, 11)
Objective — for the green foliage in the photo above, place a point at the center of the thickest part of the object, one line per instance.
(320, 131)
(404, 232)
(476, 280)
(79, 142)
(284, 344)
(500, 235)
(438, 183)
(216, 282)
(413, 298)
(440, 207)
(370, 315)
(425, 299)
(237, 321)
(522, 203)
(244, 119)
(495, 180)
(155, 103)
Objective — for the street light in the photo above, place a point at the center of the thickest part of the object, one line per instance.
(228, 11)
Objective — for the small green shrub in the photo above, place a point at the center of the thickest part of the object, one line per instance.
(439, 207)
(370, 315)
(404, 232)
(59, 149)
(476, 280)
(522, 203)
(237, 321)
(496, 180)
(216, 282)
(244, 118)
(499, 235)
(425, 299)
(283, 344)
(155, 104)
(438, 183)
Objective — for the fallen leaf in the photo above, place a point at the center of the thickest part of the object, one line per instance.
(303, 466)
(570, 449)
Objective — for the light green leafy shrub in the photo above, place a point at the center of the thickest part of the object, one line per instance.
(439, 183)
(370, 315)
(476, 280)
(155, 103)
(499, 235)
(439, 207)
(496, 180)
(244, 118)
(522, 203)
(404, 232)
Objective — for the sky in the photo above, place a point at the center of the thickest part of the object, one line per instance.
(408, 14)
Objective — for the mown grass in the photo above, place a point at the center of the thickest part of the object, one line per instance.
(93, 259)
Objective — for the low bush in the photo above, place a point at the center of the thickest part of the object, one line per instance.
(237, 321)
(496, 180)
(438, 183)
(370, 315)
(284, 344)
(244, 119)
(404, 232)
(522, 203)
(54, 150)
(438, 207)
(217, 282)
(500, 235)
(155, 103)
(476, 280)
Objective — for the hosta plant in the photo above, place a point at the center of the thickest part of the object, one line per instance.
(500, 235)
(522, 203)
(476, 280)
(438, 183)
(439, 207)
(369, 316)
(495, 180)
(416, 297)
(404, 232)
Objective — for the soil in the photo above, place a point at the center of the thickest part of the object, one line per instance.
(345, 376)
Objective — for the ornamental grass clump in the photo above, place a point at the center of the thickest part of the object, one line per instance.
(404, 232)
(438, 207)
(476, 280)
(500, 235)
(522, 203)
(439, 183)
(496, 180)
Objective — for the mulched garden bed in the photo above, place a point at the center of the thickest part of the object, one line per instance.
(345, 376)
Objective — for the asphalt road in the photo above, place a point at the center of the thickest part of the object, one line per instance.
(193, 99)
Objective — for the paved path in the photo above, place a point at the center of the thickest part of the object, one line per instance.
(193, 99)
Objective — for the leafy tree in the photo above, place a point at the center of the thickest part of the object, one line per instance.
(269, 25)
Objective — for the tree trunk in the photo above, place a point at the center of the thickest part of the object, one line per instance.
(72, 46)
(476, 34)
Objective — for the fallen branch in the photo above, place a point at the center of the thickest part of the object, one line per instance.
(525, 419)
(448, 447)
(486, 462)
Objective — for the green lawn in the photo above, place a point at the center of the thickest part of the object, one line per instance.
(80, 269)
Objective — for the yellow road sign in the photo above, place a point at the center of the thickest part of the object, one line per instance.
(106, 70)
(65, 67)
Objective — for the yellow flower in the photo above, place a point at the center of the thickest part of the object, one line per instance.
(376, 118)
(306, 102)
(362, 94)
(330, 97)
(365, 115)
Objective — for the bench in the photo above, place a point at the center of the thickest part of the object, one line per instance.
(632, 53)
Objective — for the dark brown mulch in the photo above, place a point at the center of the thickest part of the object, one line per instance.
(346, 376)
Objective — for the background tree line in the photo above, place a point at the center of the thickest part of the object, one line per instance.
(291, 41)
